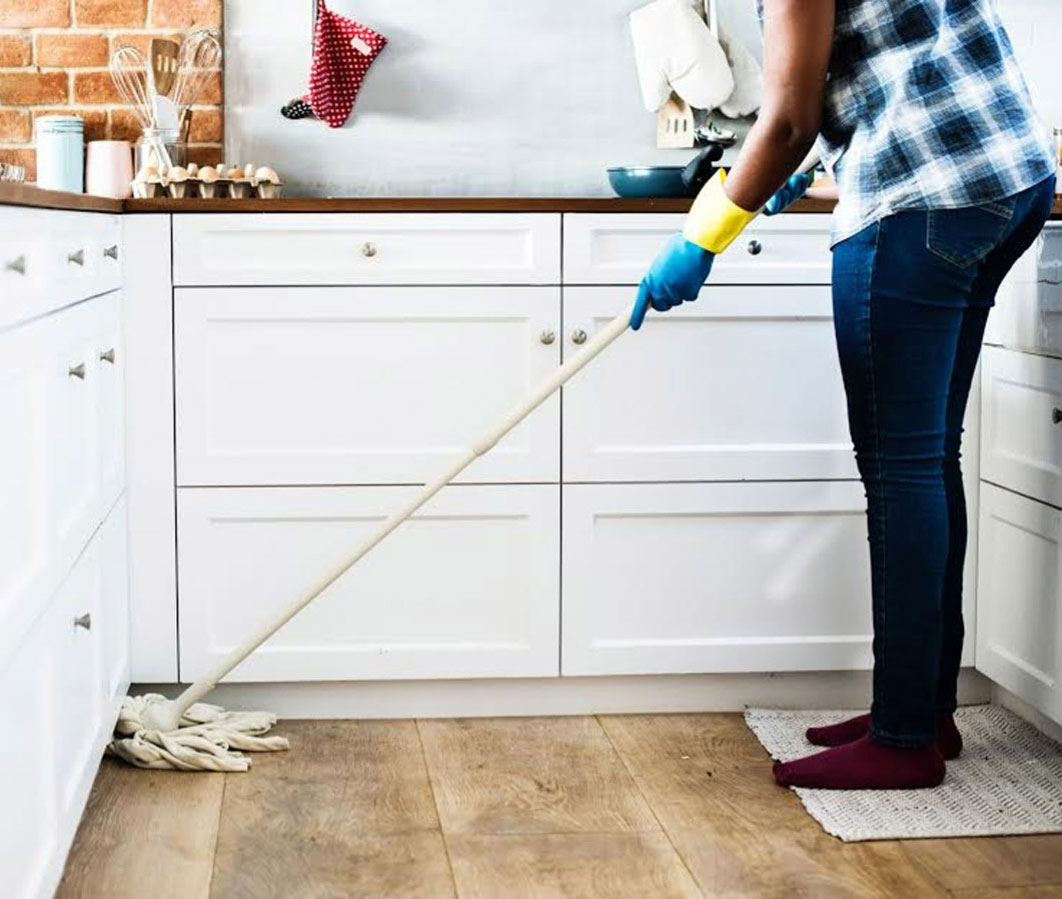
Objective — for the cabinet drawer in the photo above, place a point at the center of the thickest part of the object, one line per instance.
(674, 578)
(387, 248)
(1021, 437)
(1019, 613)
(468, 588)
(1028, 313)
(743, 384)
(51, 259)
(360, 385)
(609, 248)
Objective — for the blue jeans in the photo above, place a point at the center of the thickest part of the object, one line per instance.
(911, 296)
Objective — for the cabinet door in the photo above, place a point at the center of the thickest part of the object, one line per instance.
(1019, 618)
(108, 362)
(744, 384)
(114, 606)
(468, 588)
(615, 248)
(1028, 312)
(73, 439)
(361, 385)
(673, 578)
(1021, 437)
(29, 824)
(76, 634)
(27, 575)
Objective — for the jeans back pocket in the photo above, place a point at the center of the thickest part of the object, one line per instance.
(965, 236)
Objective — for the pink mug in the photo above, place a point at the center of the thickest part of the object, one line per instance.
(109, 168)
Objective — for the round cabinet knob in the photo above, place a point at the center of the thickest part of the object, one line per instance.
(77, 371)
(578, 336)
(107, 356)
(84, 621)
(111, 252)
(547, 337)
(755, 248)
(368, 249)
(18, 265)
(77, 257)
(1056, 416)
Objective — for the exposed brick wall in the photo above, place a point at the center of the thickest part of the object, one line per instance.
(53, 59)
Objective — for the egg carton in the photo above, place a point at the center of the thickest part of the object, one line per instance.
(261, 183)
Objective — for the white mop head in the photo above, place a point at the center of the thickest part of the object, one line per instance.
(207, 739)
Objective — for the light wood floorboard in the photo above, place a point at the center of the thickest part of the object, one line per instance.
(145, 827)
(617, 806)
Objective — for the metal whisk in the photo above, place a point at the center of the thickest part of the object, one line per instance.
(198, 60)
(129, 71)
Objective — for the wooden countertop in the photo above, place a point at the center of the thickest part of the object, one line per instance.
(28, 195)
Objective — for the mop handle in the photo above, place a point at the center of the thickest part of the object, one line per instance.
(532, 401)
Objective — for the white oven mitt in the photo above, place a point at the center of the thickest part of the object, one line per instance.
(675, 51)
(747, 96)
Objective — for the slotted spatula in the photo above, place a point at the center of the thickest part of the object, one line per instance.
(163, 62)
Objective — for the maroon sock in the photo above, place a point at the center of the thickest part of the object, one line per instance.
(865, 765)
(949, 740)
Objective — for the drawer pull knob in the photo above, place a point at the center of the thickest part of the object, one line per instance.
(107, 356)
(755, 248)
(111, 252)
(84, 621)
(547, 337)
(16, 265)
(1056, 416)
(77, 371)
(368, 249)
(579, 336)
(77, 257)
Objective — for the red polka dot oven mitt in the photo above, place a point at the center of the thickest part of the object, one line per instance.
(343, 50)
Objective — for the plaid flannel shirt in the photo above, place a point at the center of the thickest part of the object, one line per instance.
(926, 108)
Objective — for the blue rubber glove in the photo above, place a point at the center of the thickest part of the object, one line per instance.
(789, 193)
(676, 276)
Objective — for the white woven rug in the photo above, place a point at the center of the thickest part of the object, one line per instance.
(1008, 780)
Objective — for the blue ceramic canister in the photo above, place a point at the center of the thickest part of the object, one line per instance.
(61, 153)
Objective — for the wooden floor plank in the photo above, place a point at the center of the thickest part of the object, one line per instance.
(703, 771)
(530, 775)
(143, 828)
(347, 812)
(990, 861)
(1044, 891)
(557, 866)
(710, 784)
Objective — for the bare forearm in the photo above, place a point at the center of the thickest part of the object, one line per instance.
(798, 36)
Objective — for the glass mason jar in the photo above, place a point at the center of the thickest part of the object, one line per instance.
(160, 146)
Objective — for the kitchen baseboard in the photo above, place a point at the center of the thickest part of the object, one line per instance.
(560, 696)
(1003, 697)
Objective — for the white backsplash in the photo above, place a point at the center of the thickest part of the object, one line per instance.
(481, 97)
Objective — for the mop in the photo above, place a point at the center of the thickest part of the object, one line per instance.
(188, 735)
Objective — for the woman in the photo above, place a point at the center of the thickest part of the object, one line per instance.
(946, 177)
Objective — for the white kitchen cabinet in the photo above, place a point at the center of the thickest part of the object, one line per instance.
(1028, 311)
(361, 385)
(468, 588)
(51, 259)
(113, 611)
(107, 363)
(1019, 622)
(387, 248)
(672, 578)
(617, 248)
(1021, 434)
(28, 574)
(742, 385)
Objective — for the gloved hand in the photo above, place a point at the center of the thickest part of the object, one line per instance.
(789, 193)
(676, 276)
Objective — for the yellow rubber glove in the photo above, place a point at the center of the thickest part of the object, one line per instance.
(715, 220)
